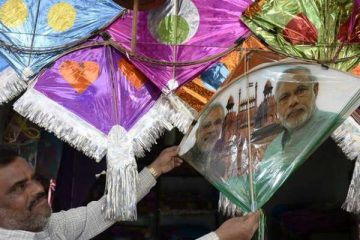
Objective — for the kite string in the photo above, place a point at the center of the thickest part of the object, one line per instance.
(262, 220)
(34, 31)
(252, 197)
(113, 84)
(176, 63)
(175, 39)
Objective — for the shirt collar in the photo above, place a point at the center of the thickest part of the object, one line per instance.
(21, 235)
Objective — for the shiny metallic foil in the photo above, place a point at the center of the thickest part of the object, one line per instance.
(318, 30)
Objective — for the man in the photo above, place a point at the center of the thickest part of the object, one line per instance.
(25, 213)
(206, 136)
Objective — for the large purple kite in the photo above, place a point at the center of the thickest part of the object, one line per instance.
(175, 42)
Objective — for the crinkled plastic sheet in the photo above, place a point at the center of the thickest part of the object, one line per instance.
(261, 127)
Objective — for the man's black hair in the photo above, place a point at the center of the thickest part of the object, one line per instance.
(7, 155)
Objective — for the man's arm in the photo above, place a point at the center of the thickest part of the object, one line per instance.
(87, 222)
(83, 223)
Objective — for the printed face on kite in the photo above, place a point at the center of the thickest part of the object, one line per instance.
(295, 97)
(210, 128)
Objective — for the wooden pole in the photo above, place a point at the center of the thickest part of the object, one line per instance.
(134, 26)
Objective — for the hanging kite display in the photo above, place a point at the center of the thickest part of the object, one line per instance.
(97, 101)
(323, 31)
(247, 140)
(179, 39)
(256, 131)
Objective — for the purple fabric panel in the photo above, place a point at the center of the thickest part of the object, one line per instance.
(219, 27)
(132, 103)
(146, 45)
(96, 104)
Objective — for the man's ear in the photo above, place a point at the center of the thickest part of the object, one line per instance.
(316, 88)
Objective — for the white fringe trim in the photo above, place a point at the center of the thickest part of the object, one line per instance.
(347, 136)
(228, 208)
(11, 85)
(352, 201)
(64, 124)
(181, 116)
(168, 112)
(162, 116)
(150, 127)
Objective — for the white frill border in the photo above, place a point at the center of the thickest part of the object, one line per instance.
(228, 208)
(11, 85)
(168, 112)
(181, 116)
(64, 124)
(347, 136)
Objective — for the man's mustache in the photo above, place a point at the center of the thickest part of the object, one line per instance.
(36, 199)
(211, 136)
(292, 111)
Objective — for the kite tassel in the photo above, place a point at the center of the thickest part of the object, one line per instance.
(121, 178)
(347, 136)
(352, 201)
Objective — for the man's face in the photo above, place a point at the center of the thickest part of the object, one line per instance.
(296, 100)
(209, 129)
(23, 202)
